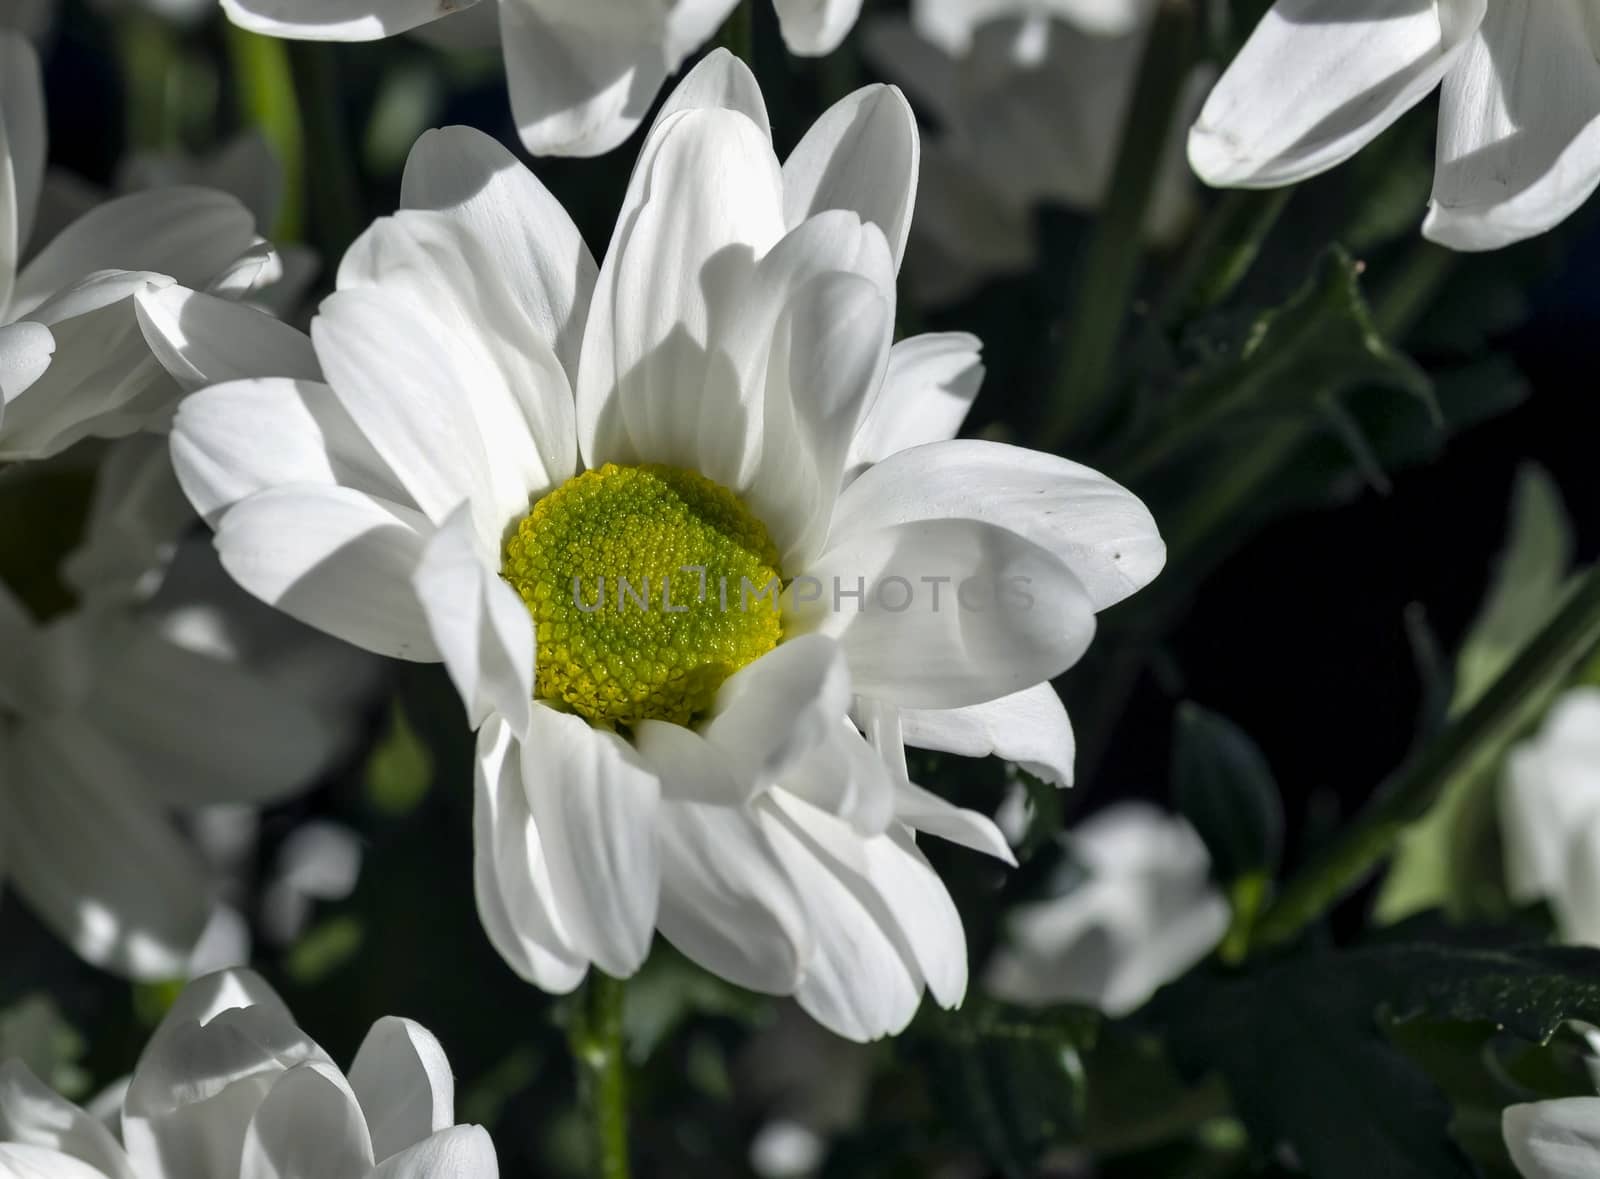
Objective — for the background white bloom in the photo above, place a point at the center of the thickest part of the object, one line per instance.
(476, 360)
(1031, 112)
(120, 713)
(73, 362)
(582, 74)
(954, 25)
(230, 1088)
(1550, 816)
(1519, 117)
(1143, 913)
(1558, 1139)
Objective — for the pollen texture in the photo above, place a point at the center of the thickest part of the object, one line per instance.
(648, 587)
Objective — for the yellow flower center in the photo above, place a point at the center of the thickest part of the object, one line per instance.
(648, 587)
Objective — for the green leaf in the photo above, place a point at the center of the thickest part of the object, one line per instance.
(1009, 1078)
(1441, 857)
(1300, 1044)
(1223, 786)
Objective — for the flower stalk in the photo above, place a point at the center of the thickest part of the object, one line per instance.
(1565, 640)
(595, 1039)
(1110, 269)
(264, 83)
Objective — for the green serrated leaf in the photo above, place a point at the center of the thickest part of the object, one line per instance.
(1301, 1044)
(1438, 863)
(1224, 787)
(1009, 1077)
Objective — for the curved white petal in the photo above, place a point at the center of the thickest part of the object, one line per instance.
(335, 559)
(1029, 727)
(845, 776)
(861, 155)
(234, 440)
(1557, 1139)
(25, 353)
(31, 1114)
(98, 862)
(511, 877)
(308, 1126)
(403, 1081)
(478, 623)
(518, 402)
(726, 901)
(704, 204)
(22, 152)
(945, 613)
(189, 234)
(927, 389)
(1102, 531)
(719, 80)
(535, 246)
(337, 20)
(1519, 127)
(594, 802)
(40, 1162)
(1319, 80)
(203, 340)
(814, 28)
(459, 1152)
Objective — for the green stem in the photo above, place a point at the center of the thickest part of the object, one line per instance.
(738, 33)
(1567, 638)
(264, 84)
(335, 198)
(1402, 301)
(150, 80)
(1223, 251)
(1110, 270)
(596, 1042)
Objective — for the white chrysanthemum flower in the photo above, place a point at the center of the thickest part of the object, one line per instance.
(230, 1088)
(1145, 912)
(73, 362)
(1519, 119)
(952, 26)
(582, 75)
(116, 717)
(502, 427)
(1030, 112)
(1550, 816)
(1558, 1139)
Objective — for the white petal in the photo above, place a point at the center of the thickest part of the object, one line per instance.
(1319, 80)
(479, 624)
(1554, 1139)
(827, 363)
(594, 802)
(31, 1114)
(98, 861)
(1519, 127)
(1550, 792)
(945, 613)
(190, 234)
(1029, 727)
(22, 152)
(861, 155)
(460, 1152)
(927, 389)
(770, 713)
(1576, 901)
(719, 80)
(337, 20)
(529, 235)
(704, 203)
(516, 900)
(402, 1079)
(726, 901)
(136, 518)
(814, 28)
(25, 352)
(845, 776)
(518, 409)
(234, 440)
(309, 1126)
(203, 340)
(335, 559)
(182, 1126)
(200, 729)
(582, 77)
(38, 1162)
(406, 394)
(1102, 531)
